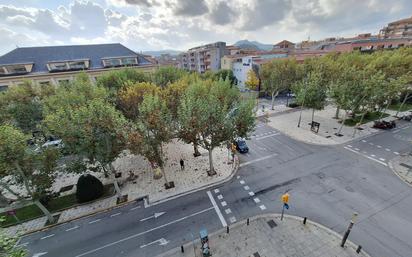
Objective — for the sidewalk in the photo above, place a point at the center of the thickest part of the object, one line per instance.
(402, 167)
(287, 238)
(287, 124)
(193, 177)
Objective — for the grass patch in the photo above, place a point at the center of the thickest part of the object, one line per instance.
(55, 204)
(405, 107)
(370, 116)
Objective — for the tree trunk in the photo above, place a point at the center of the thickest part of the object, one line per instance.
(274, 94)
(5, 186)
(164, 174)
(403, 102)
(313, 114)
(337, 112)
(360, 122)
(115, 182)
(212, 169)
(25, 180)
(44, 210)
(343, 123)
(196, 149)
(383, 110)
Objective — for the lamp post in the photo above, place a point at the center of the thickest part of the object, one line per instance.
(346, 235)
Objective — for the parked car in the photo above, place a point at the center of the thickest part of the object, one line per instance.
(241, 145)
(407, 117)
(384, 124)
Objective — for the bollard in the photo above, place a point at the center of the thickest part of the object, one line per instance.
(359, 249)
(304, 221)
(182, 248)
(247, 221)
(227, 229)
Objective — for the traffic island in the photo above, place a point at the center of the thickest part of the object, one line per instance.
(267, 235)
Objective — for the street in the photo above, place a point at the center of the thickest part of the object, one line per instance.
(327, 184)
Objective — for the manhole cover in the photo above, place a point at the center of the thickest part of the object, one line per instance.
(272, 223)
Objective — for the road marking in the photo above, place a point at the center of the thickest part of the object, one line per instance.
(147, 231)
(161, 241)
(94, 221)
(242, 182)
(364, 141)
(251, 193)
(246, 188)
(396, 153)
(257, 160)
(379, 146)
(396, 131)
(370, 158)
(357, 149)
(382, 159)
(219, 214)
(257, 200)
(217, 191)
(387, 149)
(364, 152)
(406, 127)
(238, 177)
(232, 219)
(228, 211)
(371, 143)
(39, 254)
(220, 197)
(223, 203)
(114, 215)
(373, 155)
(137, 207)
(73, 228)
(24, 244)
(349, 146)
(262, 207)
(260, 138)
(46, 236)
(154, 216)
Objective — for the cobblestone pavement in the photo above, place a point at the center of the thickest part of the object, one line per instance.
(287, 238)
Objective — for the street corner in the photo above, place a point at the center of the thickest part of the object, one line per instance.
(402, 167)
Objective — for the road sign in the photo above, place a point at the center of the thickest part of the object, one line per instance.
(286, 206)
(285, 198)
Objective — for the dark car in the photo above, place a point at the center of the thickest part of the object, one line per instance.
(384, 124)
(241, 146)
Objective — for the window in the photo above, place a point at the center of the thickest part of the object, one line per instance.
(16, 69)
(129, 61)
(68, 65)
(77, 65)
(111, 62)
(58, 66)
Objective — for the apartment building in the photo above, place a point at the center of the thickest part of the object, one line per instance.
(58, 64)
(397, 29)
(203, 58)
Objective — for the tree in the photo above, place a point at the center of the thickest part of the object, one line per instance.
(226, 74)
(172, 95)
(156, 127)
(94, 131)
(8, 246)
(279, 75)
(167, 75)
(34, 171)
(115, 80)
(252, 81)
(130, 97)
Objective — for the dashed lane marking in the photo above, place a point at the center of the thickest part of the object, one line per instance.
(378, 146)
(260, 138)
(372, 155)
(371, 143)
(116, 214)
(262, 207)
(251, 193)
(135, 208)
(396, 153)
(257, 160)
(73, 228)
(364, 141)
(349, 146)
(387, 149)
(220, 197)
(228, 211)
(223, 203)
(46, 236)
(369, 157)
(232, 219)
(242, 182)
(94, 221)
(382, 159)
(217, 191)
(219, 214)
(357, 149)
(246, 188)
(257, 200)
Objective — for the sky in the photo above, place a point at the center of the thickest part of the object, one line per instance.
(181, 24)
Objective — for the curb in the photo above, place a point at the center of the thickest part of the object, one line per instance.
(265, 216)
(390, 165)
(145, 198)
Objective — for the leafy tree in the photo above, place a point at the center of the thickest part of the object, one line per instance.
(226, 74)
(252, 81)
(279, 75)
(35, 171)
(88, 188)
(131, 96)
(115, 80)
(156, 127)
(94, 131)
(166, 75)
(173, 94)
(8, 245)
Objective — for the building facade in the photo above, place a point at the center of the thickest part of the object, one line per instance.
(57, 64)
(397, 29)
(203, 58)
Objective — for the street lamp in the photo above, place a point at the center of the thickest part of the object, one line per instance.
(352, 221)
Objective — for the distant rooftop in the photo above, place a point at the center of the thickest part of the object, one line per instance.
(41, 56)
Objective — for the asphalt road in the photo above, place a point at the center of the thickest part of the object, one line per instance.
(326, 184)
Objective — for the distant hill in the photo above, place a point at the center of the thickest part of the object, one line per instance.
(246, 44)
(160, 52)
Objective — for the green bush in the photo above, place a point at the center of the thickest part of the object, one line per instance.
(88, 188)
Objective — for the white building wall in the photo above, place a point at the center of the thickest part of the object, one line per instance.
(240, 70)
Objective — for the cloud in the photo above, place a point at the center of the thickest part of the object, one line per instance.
(190, 7)
(222, 14)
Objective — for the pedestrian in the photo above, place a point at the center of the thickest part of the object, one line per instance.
(182, 164)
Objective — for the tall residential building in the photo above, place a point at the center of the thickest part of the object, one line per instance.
(396, 29)
(57, 64)
(203, 58)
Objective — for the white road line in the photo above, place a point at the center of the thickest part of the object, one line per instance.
(387, 149)
(251, 193)
(396, 131)
(370, 158)
(217, 191)
(148, 231)
(24, 244)
(364, 141)
(262, 207)
(357, 149)
(379, 146)
(94, 221)
(371, 143)
(220, 197)
(134, 208)
(257, 200)
(396, 153)
(238, 177)
(382, 159)
(364, 152)
(260, 138)
(372, 155)
(46, 236)
(257, 160)
(73, 228)
(232, 219)
(223, 203)
(349, 146)
(406, 127)
(114, 215)
(242, 182)
(219, 214)
(246, 188)
(228, 211)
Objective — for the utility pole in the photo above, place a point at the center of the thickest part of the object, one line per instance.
(352, 221)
